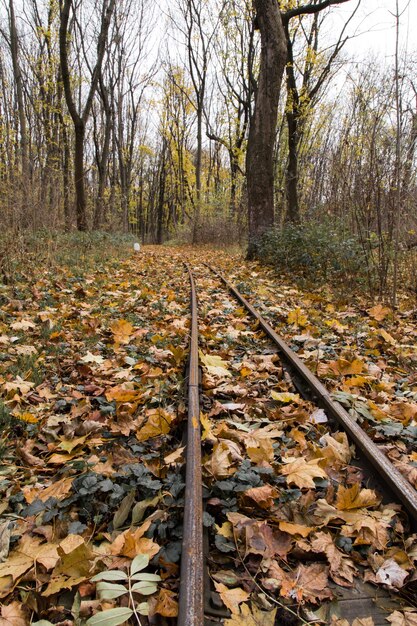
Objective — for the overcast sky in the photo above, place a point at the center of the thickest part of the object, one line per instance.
(374, 24)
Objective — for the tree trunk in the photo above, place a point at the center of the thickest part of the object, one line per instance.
(19, 92)
(198, 162)
(291, 179)
(81, 213)
(259, 157)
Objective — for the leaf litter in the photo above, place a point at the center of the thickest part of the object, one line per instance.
(92, 404)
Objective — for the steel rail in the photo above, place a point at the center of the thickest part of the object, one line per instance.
(386, 470)
(191, 601)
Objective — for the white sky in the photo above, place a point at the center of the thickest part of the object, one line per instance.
(374, 24)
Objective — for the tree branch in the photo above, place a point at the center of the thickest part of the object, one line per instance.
(310, 8)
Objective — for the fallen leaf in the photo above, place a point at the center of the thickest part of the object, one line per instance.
(355, 498)
(405, 618)
(13, 614)
(232, 597)
(251, 616)
(301, 472)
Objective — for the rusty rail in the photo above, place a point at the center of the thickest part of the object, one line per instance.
(191, 601)
(388, 474)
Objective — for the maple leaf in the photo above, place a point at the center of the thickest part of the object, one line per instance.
(92, 358)
(23, 325)
(307, 583)
(166, 604)
(232, 597)
(251, 616)
(285, 397)
(122, 331)
(301, 472)
(355, 498)
(221, 460)
(215, 365)
(74, 565)
(405, 618)
(391, 574)
(379, 312)
(295, 529)
(297, 317)
(262, 496)
(158, 423)
(13, 614)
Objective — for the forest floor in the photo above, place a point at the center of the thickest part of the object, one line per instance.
(93, 354)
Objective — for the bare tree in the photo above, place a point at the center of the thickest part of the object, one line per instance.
(80, 116)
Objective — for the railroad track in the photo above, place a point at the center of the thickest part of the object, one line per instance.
(196, 606)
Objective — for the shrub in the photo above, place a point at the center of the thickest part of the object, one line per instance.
(315, 250)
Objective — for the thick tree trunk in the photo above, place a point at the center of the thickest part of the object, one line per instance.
(79, 176)
(259, 157)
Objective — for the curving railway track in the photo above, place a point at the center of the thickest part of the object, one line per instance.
(224, 322)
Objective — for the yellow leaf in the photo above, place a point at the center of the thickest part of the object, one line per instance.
(231, 597)
(158, 423)
(215, 365)
(355, 498)
(225, 530)
(285, 397)
(388, 338)
(301, 472)
(295, 529)
(297, 318)
(26, 417)
(252, 616)
(166, 605)
(122, 330)
(74, 566)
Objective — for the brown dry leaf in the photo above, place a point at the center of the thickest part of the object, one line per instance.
(232, 597)
(74, 566)
(60, 489)
(263, 454)
(13, 615)
(295, 529)
(355, 498)
(344, 367)
(262, 496)
(363, 621)
(122, 330)
(342, 569)
(398, 618)
(224, 454)
(337, 447)
(379, 312)
(391, 574)
(166, 605)
(307, 583)
(251, 616)
(301, 472)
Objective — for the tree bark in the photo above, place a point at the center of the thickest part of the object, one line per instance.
(17, 74)
(79, 176)
(259, 157)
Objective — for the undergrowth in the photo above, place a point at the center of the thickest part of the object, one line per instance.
(22, 253)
